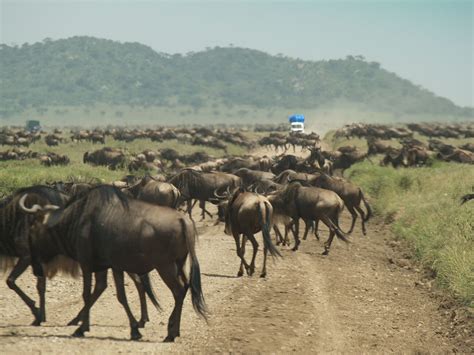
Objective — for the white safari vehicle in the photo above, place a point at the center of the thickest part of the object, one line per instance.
(296, 123)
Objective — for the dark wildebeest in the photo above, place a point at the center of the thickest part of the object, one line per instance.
(247, 213)
(351, 195)
(266, 187)
(202, 186)
(106, 229)
(14, 229)
(234, 164)
(156, 192)
(310, 204)
(285, 176)
(346, 160)
(466, 198)
(286, 162)
(111, 157)
(248, 176)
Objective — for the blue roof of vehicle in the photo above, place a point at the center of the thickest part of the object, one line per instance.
(296, 118)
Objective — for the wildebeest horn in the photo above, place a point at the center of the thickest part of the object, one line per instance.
(33, 209)
(257, 190)
(219, 196)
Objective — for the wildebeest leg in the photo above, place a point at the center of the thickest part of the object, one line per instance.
(41, 288)
(296, 233)
(19, 269)
(143, 307)
(86, 296)
(362, 217)
(202, 205)
(254, 242)
(354, 217)
(170, 277)
(264, 268)
(278, 236)
(307, 225)
(332, 233)
(316, 226)
(242, 248)
(122, 298)
(239, 251)
(287, 231)
(99, 288)
(190, 207)
(327, 244)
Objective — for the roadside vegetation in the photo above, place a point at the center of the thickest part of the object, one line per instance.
(423, 206)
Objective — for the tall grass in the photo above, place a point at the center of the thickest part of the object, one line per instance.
(424, 205)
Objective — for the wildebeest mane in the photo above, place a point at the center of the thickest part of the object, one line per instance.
(186, 178)
(105, 193)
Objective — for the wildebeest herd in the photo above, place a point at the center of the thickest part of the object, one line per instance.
(143, 223)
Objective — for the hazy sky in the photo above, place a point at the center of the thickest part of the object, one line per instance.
(428, 42)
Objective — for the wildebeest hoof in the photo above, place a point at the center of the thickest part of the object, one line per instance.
(75, 321)
(326, 252)
(294, 248)
(263, 274)
(168, 339)
(240, 273)
(141, 323)
(135, 334)
(36, 323)
(79, 333)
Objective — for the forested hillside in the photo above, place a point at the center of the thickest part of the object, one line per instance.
(82, 71)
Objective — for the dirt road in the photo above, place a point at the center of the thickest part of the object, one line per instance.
(355, 300)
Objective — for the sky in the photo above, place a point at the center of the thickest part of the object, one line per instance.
(430, 43)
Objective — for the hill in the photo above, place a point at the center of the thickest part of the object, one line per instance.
(85, 71)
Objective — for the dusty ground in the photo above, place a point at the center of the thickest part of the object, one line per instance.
(363, 297)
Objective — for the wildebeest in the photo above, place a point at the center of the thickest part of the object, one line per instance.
(351, 195)
(111, 157)
(156, 192)
(248, 176)
(284, 163)
(247, 213)
(104, 229)
(310, 204)
(14, 229)
(202, 186)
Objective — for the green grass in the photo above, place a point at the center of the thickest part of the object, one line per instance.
(424, 205)
(17, 174)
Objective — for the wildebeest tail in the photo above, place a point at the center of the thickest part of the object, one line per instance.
(146, 283)
(265, 223)
(339, 233)
(367, 206)
(197, 296)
